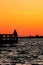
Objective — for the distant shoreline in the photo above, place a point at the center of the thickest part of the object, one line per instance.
(32, 37)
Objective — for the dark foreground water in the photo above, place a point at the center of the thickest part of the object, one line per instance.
(26, 51)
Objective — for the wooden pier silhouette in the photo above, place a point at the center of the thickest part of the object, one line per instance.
(9, 38)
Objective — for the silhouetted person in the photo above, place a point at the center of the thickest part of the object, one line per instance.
(16, 35)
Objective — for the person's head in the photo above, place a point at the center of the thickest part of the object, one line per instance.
(15, 33)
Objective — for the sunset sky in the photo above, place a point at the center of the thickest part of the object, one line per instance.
(26, 16)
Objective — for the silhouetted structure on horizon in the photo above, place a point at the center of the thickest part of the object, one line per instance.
(9, 38)
(36, 36)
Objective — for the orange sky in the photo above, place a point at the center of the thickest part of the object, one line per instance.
(26, 16)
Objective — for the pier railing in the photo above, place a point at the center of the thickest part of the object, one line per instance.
(8, 38)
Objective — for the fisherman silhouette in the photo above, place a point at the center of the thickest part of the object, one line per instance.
(16, 35)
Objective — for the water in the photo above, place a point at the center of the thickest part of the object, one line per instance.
(25, 51)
